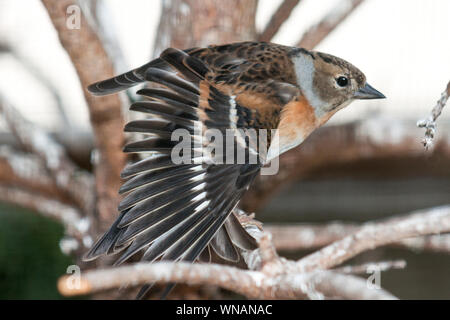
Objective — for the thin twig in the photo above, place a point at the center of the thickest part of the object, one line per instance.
(336, 16)
(372, 266)
(430, 123)
(278, 18)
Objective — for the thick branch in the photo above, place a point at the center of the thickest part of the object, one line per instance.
(278, 18)
(25, 171)
(92, 64)
(190, 23)
(430, 123)
(371, 236)
(277, 277)
(252, 284)
(336, 16)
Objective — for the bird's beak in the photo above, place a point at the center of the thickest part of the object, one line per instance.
(368, 92)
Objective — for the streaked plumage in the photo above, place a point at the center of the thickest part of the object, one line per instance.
(179, 211)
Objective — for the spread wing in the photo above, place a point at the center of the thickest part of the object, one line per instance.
(178, 211)
(174, 210)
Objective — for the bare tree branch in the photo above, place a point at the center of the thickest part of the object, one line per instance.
(323, 28)
(192, 23)
(70, 217)
(277, 277)
(433, 243)
(92, 64)
(430, 123)
(26, 171)
(313, 236)
(98, 14)
(278, 18)
(371, 236)
(252, 284)
(308, 236)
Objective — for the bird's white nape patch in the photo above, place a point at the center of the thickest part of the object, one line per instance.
(304, 71)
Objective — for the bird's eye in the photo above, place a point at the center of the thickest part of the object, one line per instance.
(342, 81)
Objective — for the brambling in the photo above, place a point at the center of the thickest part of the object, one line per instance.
(184, 211)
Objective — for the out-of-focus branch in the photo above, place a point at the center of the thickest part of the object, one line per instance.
(77, 143)
(307, 237)
(76, 183)
(98, 14)
(76, 226)
(315, 34)
(26, 171)
(422, 222)
(433, 243)
(278, 18)
(191, 23)
(430, 123)
(92, 64)
(374, 138)
(42, 78)
(372, 266)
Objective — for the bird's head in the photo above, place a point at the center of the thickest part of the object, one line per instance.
(330, 83)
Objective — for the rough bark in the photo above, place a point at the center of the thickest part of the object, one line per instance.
(191, 23)
(252, 284)
(92, 64)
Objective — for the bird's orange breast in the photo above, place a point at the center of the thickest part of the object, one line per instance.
(297, 121)
(297, 115)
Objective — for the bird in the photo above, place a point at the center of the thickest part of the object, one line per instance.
(184, 211)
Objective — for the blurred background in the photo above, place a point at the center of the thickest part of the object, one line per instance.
(366, 164)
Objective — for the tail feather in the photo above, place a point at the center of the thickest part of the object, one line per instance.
(223, 246)
(238, 235)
